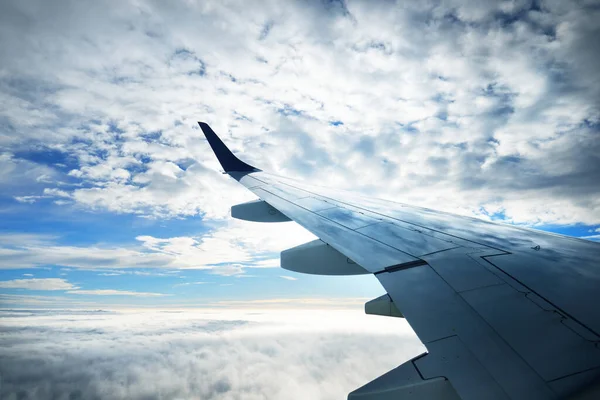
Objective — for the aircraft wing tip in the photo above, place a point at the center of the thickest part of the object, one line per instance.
(227, 159)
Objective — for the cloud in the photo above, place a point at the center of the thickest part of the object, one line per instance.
(118, 272)
(113, 292)
(289, 278)
(227, 249)
(20, 174)
(595, 238)
(34, 255)
(229, 270)
(230, 247)
(18, 300)
(268, 263)
(38, 284)
(320, 303)
(27, 199)
(17, 239)
(198, 354)
(453, 105)
(190, 283)
(62, 284)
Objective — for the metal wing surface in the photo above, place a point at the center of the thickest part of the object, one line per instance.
(504, 312)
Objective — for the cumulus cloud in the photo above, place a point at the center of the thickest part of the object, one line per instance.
(38, 284)
(457, 105)
(237, 243)
(197, 354)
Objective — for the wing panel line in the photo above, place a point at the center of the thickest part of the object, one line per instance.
(322, 227)
(390, 217)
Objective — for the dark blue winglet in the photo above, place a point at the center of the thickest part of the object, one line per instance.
(228, 160)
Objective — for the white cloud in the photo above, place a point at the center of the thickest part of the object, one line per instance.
(155, 272)
(113, 292)
(269, 263)
(165, 194)
(308, 302)
(18, 300)
(38, 284)
(17, 173)
(62, 284)
(228, 249)
(27, 199)
(190, 283)
(289, 278)
(456, 112)
(236, 242)
(17, 239)
(25, 256)
(229, 270)
(55, 192)
(595, 238)
(229, 354)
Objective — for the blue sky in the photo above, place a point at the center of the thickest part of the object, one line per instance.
(111, 196)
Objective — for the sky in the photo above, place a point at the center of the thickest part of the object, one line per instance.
(111, 199)
(112, 196)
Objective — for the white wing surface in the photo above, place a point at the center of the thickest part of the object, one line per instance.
(504, 312)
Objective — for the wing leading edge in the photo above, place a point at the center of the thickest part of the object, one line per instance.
(504, 312)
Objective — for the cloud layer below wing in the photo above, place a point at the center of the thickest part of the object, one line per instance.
(197, 354)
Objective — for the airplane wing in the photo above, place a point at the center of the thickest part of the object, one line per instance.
(504, 312)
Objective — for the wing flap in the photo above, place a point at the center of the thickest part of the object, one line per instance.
(403, 383)
(531, 331)
(462, 271)
(445, 323)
